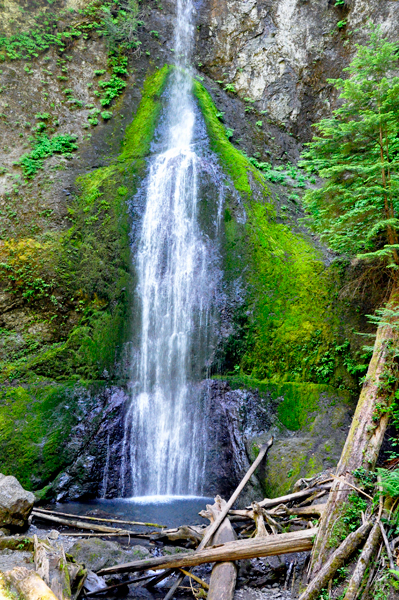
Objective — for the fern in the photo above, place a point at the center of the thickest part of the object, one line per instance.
(390, 482)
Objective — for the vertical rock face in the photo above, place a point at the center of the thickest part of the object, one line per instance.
(280, 53)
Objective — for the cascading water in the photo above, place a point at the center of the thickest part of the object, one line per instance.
(164, 433)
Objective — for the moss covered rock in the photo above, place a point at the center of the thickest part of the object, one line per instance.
(98, 554)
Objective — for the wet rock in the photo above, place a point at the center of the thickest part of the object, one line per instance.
(94, 583)
(15, 503)
(97, 554)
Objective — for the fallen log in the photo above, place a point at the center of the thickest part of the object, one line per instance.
(29, 585)
(80, 524)
(300, 511)
(363, 562)
(87, 518)
(51, 566)
(336, 560)
(270, 502)
(216, 524)
(282, 543)
(224, 574)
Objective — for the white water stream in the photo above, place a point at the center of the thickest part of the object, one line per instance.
(165, 443)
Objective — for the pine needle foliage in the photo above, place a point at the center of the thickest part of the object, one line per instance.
(356, 152)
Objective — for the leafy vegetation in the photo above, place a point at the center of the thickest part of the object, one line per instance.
(349, 520)
(44, 146)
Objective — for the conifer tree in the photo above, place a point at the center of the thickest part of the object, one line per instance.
(356, 212)
(356, 152)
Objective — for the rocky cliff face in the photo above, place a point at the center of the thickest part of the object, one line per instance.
(280, 53)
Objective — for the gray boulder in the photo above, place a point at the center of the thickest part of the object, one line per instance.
(98, 554)
(15, 503)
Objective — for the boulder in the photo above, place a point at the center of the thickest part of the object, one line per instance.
(15, 503)
(97, 554)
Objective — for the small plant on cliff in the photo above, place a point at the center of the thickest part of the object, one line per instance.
(43, 146)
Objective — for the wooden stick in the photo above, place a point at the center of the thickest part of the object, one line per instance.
(336, 560)
(117, 585)
(98, 535)
(174, 587)
(282, 543)
(79, 524)
(388, 549)
(86, 518)
(197, 579)
(216, 524)
(158, 578)
(342, 478)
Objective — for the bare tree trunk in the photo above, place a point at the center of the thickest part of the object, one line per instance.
(365, 436)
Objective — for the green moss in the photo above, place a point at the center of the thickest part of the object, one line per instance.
(88, 268)
(235, 162)
(89, 265)
(34, 426)
(288, 327)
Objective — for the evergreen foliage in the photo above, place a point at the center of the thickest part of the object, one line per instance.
(356, 151)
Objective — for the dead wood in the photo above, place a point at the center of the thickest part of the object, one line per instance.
(261, 530)
(51, 566)
(224, 574)
(270, 502)
(29, 585)
(304, 511)
(174, 587)
(87, 518)
(362, 564)
(336, 560)
(195, 578)
(189, 533)
(216, 524)
(366, 434)
(80, 524)
(283, 543)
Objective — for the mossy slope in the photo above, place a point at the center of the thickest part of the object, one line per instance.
(87, 269)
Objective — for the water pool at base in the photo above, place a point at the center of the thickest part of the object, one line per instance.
(170, 511)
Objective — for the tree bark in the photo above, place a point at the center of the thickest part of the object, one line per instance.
(364, 559)
(283, 543)
(365, 436)
(29, 585)
(336, 560)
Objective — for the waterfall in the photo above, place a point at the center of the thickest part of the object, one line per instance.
(164, 439)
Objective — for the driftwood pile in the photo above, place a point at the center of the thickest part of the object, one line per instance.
(271, 527)
(277, 526)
